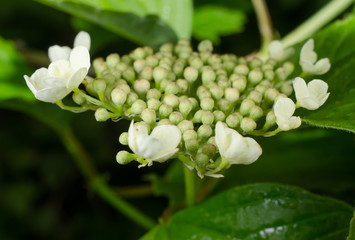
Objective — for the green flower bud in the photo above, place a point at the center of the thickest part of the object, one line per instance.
(231, 94)
(99, 85)
(138, 106)
(256, 96)
(212, 140)
(246, 106)
(178, 69)
(286, 88)
(167, 47)
(149, 116)
(185, 125)
(223, 104)
(124, 157)
(207, 104)
(281, 74)
(202, 160)
(182, 98)
(208, 75)
(217, 92)
(205, 55)
(267, 66)
(138, 65)
(255, 76)
(261, 88)
(185, 107)
(221, 73)
(271, 94)
(125, 87)
(121, 66)
(198, 116)
(189, 134)
(159, 73)
(191, 145)
(141, 86)
(205, 45)
(183, 85)
(190, 74)
(129, 75)
(281, 95)
(204, 132)
(271, 61)
(196, 63)
(265, 83)
(138, 53)
(256, 112)
(165, 110)
(118, 96)
(165, 65)
(208, 149)
(240, 84)
(175, 118)
(167, 60)
(153, 93)
(214, 59)
(101, 115)
(269, 74)
(241, 69)
(172, 88)
(223, 83)
(289, 67)
(202, 92)
(164, 121)
(255, 63)
(123, 139)
(207, 118)
(148, 50)
(153, 103)
(78, 99)
(229, 66)
(234, 120)
(270, 120)
(193, 102)
(152, 61)
(248, 125)
(171, 100)
(147, 73)
(100, 66)
(112, 60)
(219, 116)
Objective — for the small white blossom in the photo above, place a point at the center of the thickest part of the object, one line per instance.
(63, 52)
(278, 52)
(308, 60)
(284, 109)
(312, 95)
(61, 77)
(159, 146)
(235, 148)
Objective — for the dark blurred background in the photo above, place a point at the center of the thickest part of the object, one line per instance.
(44, 196)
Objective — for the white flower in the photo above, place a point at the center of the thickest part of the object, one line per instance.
(284, 109)
(308, 60)
(159, 146)
(235, 148)
(62, 53)
(310, 96)
(61, 77)
(278, 52)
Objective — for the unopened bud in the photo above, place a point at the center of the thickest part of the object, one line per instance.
(112, 60)
(202, 159)
(152, 61)
(208, 75)
(159, 73)
(255, 63)
(246, 106)
(138, 106)
(208, 149)
(193, 102)
(219, 116)
(248, 125)
(204, 132)
(175, 118)
(123, 139)
(167, 47)
(233, 120)
(256, 96)
(171, 100)
(287, 88)
(217, 92)
(121, 66)
(207, 118)
(141, 86)
(185, 107)
(256, 112)
(138, 65)
(270, 119)
(153, 93)
(280, 95)
(172, 88)
(261, 88)
(118, 96)
(100, 66)
(231, 94)
(205, 55)
(223, 83)
(164, 121)
(149, 116)
(101, 115)
(183, 85)
(212, 140)
(165, 110)
(202, 92)
(267, 66)
(289, 67)
(269, 74)
(229, 66)
(241, 69)
(205, 45)
(255, 76)
(148, 50)
(191, 145)
(132, 97)
(185, 125)
(198, 116)
(178, 69)
(281, 74)
(129, 75)
(271, 94)
(138, 53)
(223, 105)
(99, 85)
(196, 63)
(214, 59)
(190, 74)
(265, 83)
(207, 104)
(189, 134)
(124, 157)
(78, 99)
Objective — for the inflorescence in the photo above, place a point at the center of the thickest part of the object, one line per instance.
(196, 106)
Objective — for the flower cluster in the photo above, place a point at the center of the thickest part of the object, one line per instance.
(196, 106)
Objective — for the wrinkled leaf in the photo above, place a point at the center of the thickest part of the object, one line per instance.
(213, 21)
(259, 211)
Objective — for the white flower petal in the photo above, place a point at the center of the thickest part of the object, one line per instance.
(307, 53)
(170, 135)
(294, 122)
(220, 136)
(322, 66)
(77, 78)
(284, 108)
(52, 95)
(149, 147)
(309, 103)
(132, 134)
(82, 39)
(254, 151)
(276, 50)
(58, 53)
(60, 68)
(301, 89)
(79, 58)
(30, 85)
(165, 156)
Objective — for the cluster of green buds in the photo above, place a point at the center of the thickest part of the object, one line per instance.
(197, 106)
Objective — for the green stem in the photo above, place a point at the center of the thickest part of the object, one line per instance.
(88, 170)
(264, 23)
(190, 186)
(316, 22)
(96, 101)
(70, 108)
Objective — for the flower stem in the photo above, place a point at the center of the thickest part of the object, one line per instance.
(96, 101)
(264, 23)
(316, 22)
(190, 186)
(98, 185)
(70, 108)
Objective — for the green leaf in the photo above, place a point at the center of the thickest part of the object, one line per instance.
(213, 21)
(337, 43)
(351, 235)
(260, 211)
(12, 83)
(151, 22)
